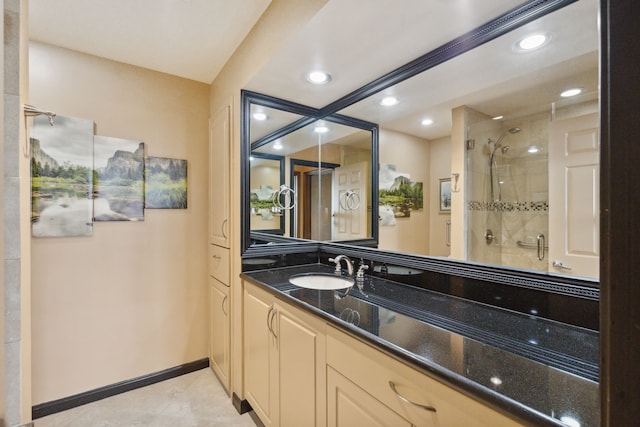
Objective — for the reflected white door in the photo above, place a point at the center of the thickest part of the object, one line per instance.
(574, 196)
(350, 202)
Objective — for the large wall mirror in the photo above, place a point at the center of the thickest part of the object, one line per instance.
(486, 156)
(309, 178)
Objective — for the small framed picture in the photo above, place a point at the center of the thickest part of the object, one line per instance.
(445, 195)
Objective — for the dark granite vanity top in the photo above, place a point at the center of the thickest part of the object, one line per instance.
(541, 371)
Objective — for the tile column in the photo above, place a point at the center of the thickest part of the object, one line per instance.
(16, 240)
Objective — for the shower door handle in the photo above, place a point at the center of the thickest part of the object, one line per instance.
(448, 233)
(540, 239)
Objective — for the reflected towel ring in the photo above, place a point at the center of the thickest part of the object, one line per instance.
(284, 192)
(349, 200)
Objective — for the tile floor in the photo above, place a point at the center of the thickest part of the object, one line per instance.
(192, 400)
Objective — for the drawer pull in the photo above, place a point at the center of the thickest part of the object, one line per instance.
(224, 235)
(404, 399)
(223, 301)
(270, 316)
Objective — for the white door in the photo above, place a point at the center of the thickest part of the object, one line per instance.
(350, 202)
(574, 197)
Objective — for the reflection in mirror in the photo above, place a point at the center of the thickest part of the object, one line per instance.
(329, 190)
(522, 156)
(266, 178)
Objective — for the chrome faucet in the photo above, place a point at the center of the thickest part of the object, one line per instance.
(346, 260)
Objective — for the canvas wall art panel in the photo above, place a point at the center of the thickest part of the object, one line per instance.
(118, 179)
(61, 177)
(166, 183)
(398, 195)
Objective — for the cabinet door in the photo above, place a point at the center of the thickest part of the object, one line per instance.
(302, 361)
(219, 333)
(260, 355)
(219, 162)
(349, 405)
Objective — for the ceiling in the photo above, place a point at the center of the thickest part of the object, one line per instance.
(187, 38)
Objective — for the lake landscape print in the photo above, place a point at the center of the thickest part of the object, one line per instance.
(61, 177)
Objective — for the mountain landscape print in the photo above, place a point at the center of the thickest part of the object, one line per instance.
(398, 194)
(61, 177)
(118, 179)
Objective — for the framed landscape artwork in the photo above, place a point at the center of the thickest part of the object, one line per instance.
(445, 195)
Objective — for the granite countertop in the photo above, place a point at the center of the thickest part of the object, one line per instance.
(542, 371)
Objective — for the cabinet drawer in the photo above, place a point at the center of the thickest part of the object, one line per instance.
(373, 370)
(219, 264)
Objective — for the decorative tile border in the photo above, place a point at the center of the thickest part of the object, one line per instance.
(474, 205)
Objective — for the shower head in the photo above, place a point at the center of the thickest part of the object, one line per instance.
(505, 133)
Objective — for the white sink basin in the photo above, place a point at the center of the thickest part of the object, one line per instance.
(321, 281)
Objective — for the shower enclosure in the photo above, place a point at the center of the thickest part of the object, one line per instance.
(507, 205)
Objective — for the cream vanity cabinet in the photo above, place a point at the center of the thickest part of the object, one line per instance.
(219, 176)
(301, 371)
(284, 361)
(368, 387)
(218, 251)
(219, 343)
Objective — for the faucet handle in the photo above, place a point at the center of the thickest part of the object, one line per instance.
(336, 260)
(361, 269)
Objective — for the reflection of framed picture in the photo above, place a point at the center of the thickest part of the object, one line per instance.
(445, 195)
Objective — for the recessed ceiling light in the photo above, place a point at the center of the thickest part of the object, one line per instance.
(260, 116)
(321, 128)
(319, 77)
(389, 101)
(571, 92)
(533, 149)
(427, 122)
(533, 41)
(498, 118)
(277, 145)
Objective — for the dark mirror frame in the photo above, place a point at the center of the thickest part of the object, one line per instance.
(309, 115)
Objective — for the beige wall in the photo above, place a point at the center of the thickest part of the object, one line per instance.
(410, 155)
(131, 299)
(440, 168)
